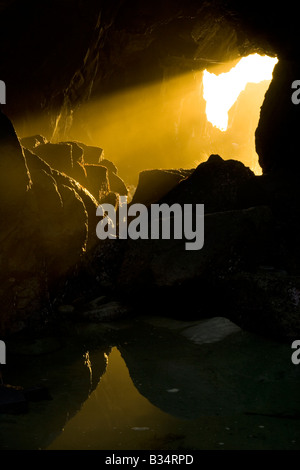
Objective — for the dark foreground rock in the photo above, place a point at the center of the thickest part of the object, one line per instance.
(231, 242)
(97, 180)
(116, 184)
(58, 156)
(154, 184)
(266, 301)
(229, 274)
(48, 223)
(276, 136)
(217, 183)
(249, 265)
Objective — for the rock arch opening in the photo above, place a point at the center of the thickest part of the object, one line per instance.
(232, 104)
(221, 91)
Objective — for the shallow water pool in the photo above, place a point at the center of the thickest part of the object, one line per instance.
(155, 384)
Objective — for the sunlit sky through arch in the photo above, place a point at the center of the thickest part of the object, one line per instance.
(221, 91)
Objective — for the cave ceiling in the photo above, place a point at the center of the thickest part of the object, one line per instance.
(62, 53)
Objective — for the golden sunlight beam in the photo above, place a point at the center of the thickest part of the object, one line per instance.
(221, 91)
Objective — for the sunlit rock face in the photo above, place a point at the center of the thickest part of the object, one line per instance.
(47, 225)
(83, 163)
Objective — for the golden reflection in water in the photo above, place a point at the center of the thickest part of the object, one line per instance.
(115, 416)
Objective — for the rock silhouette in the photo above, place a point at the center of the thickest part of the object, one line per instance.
(48, 221)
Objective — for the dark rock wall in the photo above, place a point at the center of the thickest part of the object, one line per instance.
(277, 140)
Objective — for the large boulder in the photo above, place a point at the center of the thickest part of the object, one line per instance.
(66, 157)
(248, 267)
(97, 180)
(154, 184)
(266, 301)
(63, 224)
(232, 241)
(217, 183)
(58, 156)
(36, 163)
(116, 184)
(80, 162)
(89, 202)
(23, 280)
(233, 273)
(91, 153)
(48, 224)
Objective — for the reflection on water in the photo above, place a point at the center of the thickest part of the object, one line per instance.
(155, 384)
(115, 416)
